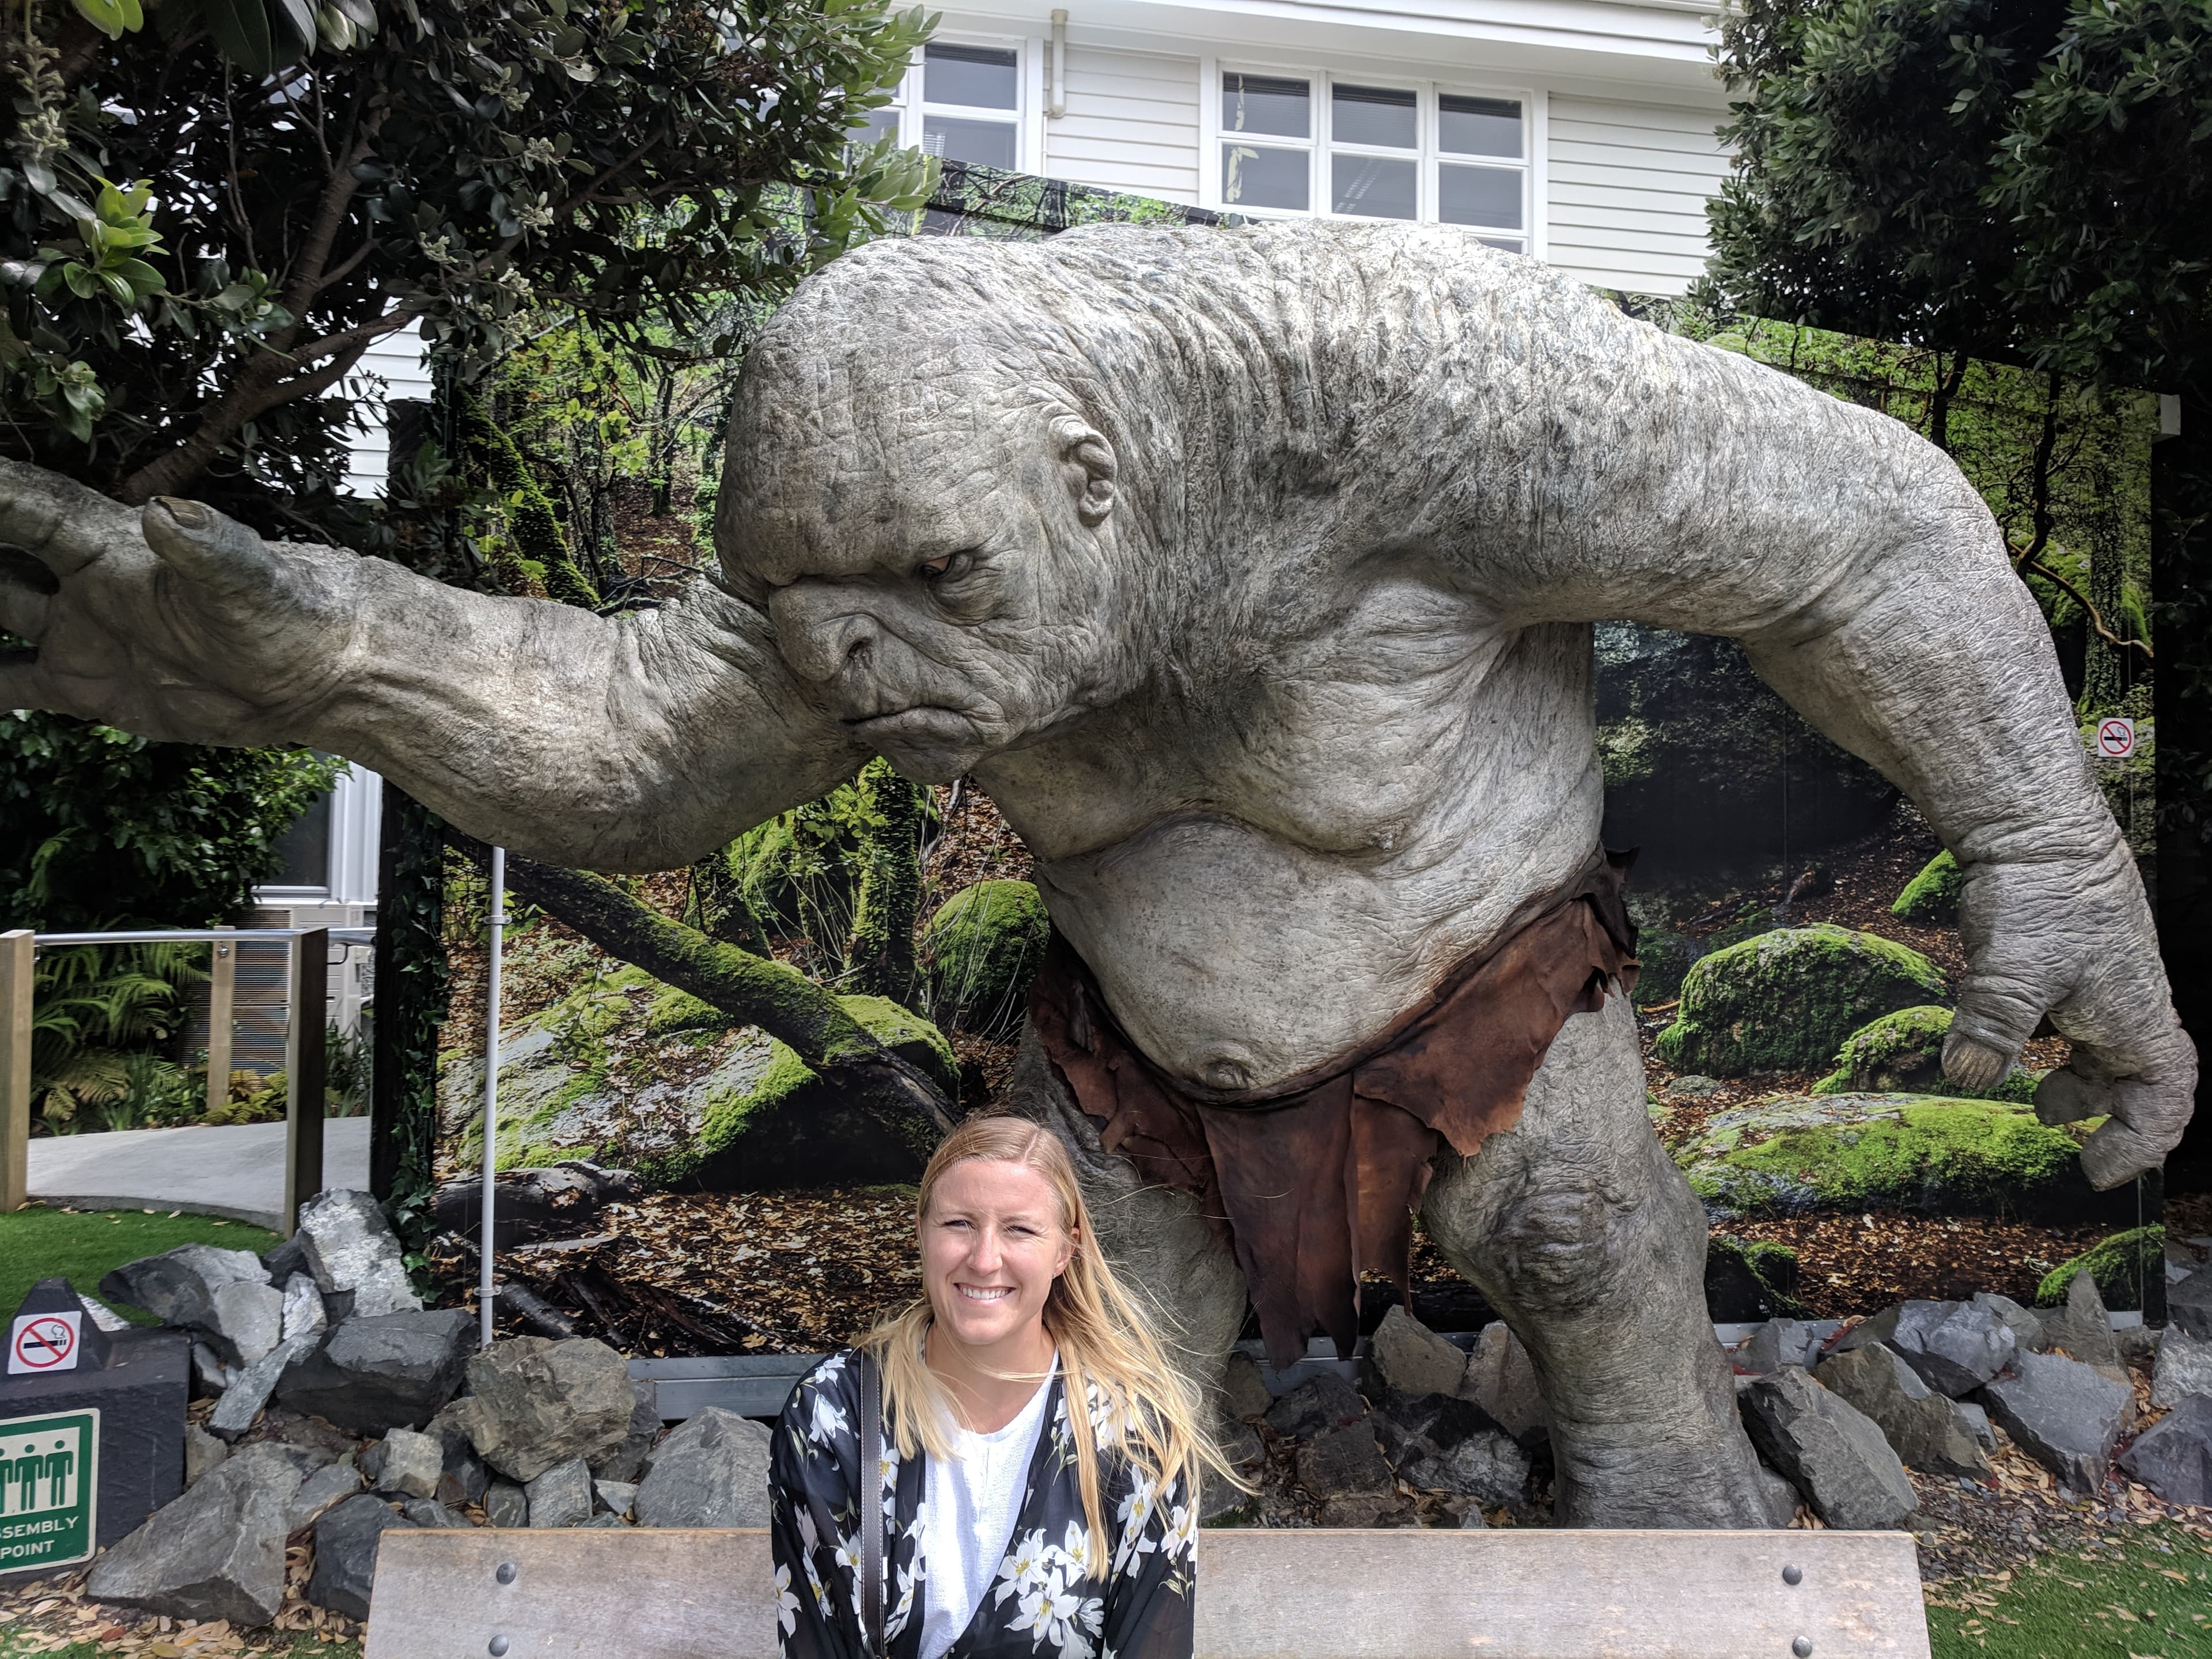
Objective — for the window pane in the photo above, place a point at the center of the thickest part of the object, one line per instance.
(982, 77)
(876, 125)
(1267, 103)
(303, 852)
(1373, 187)
(1373, 115)
(1510, 244)
(1479, 126)
(986, 144)
(1264, 177)
(1479, 196)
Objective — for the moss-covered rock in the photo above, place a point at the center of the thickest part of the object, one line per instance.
(1800, 1153)
(1749, 1278)
(627, 1071)
(1932, 897)
(2122, 1265)
(788, 1127)
(1903, 1054)
(983, 947)
(1785, 1001)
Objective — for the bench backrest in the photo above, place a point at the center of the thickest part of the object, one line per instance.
(621, 1592)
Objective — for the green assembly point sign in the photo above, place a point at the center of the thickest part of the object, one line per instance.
(47, 1483)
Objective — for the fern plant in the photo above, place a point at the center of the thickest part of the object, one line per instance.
(90, 1014)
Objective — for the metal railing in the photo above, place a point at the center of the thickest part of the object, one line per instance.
(306, 1068)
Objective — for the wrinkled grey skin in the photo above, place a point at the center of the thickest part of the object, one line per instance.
(1252, 573)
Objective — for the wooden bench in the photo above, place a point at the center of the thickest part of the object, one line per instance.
(639, 1594)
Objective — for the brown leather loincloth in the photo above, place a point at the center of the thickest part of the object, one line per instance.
(1314, 1186)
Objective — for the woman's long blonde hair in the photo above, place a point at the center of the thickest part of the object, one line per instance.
(1155, 1415)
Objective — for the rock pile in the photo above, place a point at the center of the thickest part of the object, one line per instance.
(344, 1410)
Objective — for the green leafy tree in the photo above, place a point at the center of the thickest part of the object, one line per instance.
(99, 828)
(215, 209)
(2031, 181)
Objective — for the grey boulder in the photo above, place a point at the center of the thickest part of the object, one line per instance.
(1440, 1443)
(1779, 1342)
(249, 1390)
(2025, 1323)
(1501, 1378)
(1345, 1461)
(1828, 1448)
(332, 1484)
(2183, 1368)
(2084, 1329)
(370, 1375)
(203, 1451)
(346, 1541)
(627, 1460)
(304, 1314)
(1413, 1360)
(186, 1287)
(407, 1463)
(1243, 1393)
(350, 1247)
(1956, 1346)
(1315, 1406)
(562, 1496)
(216, 1553)
(429, 1512)
(1925, 1428)
(712, 1471)
(2188, 1304)
(614, 1497)
(2174, 1457)
(2063, 1414)
(533, 1403)
(1975, 1419)
(507, 1504)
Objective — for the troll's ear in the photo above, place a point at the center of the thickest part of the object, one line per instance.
(1082, 447)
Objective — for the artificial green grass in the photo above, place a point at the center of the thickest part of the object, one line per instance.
(82, 1246)
(2146, 1595)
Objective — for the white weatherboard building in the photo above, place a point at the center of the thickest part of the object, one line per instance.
(1580, 133)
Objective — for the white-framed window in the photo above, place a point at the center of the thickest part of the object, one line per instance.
(1356, 146)
(966, 100)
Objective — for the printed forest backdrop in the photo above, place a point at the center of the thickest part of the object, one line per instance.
(853, 972)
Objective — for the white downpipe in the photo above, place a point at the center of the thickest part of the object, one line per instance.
(485, 1293)
(1058, 103)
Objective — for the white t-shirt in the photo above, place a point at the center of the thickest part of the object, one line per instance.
(969, 1508)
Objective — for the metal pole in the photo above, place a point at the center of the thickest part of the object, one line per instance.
(304, 1071)
(222, 991)
(485, 1294)
(17, 960)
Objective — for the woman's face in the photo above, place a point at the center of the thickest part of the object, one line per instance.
(991, 1246)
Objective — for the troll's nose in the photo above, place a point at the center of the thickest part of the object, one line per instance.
(820, 641)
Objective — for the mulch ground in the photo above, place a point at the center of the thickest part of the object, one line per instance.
(1854, 1264)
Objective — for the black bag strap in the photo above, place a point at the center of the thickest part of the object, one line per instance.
(872, 1503)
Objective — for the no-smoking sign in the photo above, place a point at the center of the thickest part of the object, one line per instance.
(2116, 738)
(45, 1342)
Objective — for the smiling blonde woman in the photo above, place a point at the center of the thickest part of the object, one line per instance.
(1010, 1524)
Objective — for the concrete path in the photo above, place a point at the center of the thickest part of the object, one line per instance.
(237, 1172)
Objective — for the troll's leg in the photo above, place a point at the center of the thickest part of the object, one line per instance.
(1583, 1235)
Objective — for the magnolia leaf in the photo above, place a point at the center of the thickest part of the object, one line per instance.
(240, 27)
(299, 17)
(359, 13)
(142, 277)
(108, 16)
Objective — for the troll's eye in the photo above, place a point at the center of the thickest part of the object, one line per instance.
(933, 568)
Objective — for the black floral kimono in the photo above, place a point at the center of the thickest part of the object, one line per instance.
(1049, 1595)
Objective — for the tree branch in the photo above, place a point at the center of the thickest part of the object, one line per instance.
(2029, 562)
(754, 990)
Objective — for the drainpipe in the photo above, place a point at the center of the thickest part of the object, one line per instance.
(1058, 103)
